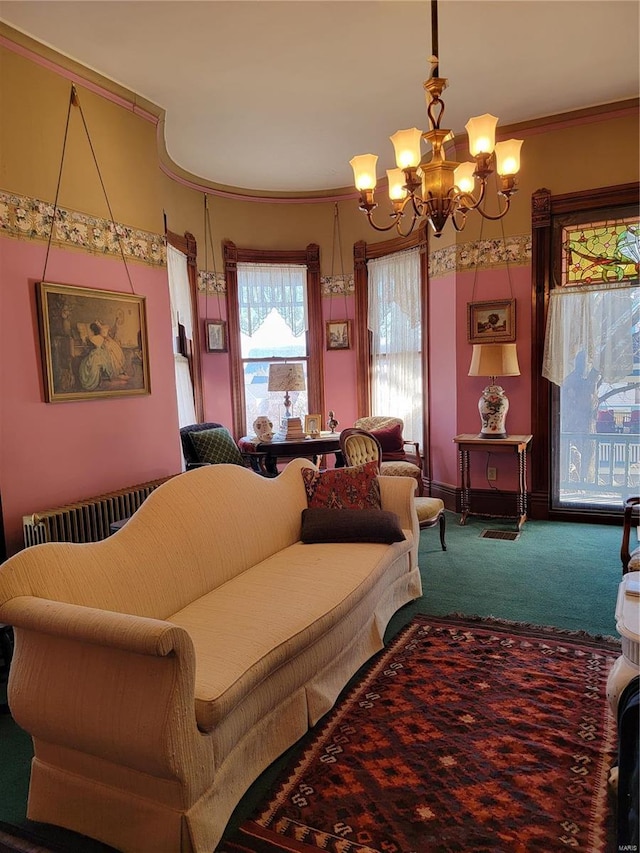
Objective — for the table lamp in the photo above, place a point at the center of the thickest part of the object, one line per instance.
(494, 360)
(287, 377)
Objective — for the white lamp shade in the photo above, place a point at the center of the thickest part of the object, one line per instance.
(286, 377)
(406, 144)
(494, 360)
(482, 134)
(396, 181)
(463, 177)
(364, 171)
(508, 157)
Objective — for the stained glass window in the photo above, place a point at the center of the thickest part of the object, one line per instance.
(601, 252)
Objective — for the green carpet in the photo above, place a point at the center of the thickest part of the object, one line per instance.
(556, 573)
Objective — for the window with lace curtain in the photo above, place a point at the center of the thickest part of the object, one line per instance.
(394, 321)
(272, 301)
(592, 357)
(274, 312)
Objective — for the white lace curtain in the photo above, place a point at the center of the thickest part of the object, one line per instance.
(264, 287)
(180, 298)
(395, 321)
(596, 321)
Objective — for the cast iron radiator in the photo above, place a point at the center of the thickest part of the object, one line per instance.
(88, 520)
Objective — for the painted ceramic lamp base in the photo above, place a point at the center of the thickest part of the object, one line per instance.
(493, 407)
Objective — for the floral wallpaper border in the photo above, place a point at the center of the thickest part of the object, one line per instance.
(29, 218)
(484, 254)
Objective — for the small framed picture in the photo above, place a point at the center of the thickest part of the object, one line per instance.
(216, 336)
(491, 322)
(312, 424)
(339, 334)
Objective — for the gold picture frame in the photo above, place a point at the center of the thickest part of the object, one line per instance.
(93, 343)
(491, 322)
(216, 335)
(312, 425)
(339, 334)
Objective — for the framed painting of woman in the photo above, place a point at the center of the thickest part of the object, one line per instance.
(93, 342)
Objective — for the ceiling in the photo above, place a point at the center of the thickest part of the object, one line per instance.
(278, 96)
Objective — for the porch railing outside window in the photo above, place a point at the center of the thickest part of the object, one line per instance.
(592, 354)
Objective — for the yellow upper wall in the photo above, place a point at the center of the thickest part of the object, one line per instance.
(35, 104)
(564, 157)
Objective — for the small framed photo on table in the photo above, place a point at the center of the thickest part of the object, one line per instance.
(312, 425)
(216, 337)
(491, 322)
(339, 334)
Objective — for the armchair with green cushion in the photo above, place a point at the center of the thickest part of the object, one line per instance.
(399, 456)
(212, 444)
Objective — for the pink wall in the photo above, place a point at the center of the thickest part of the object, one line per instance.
(54, 453)
(453, 394)
(340, 367)
(216, 376)
(443, 393)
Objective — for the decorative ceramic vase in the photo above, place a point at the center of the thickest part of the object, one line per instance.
(493, 407)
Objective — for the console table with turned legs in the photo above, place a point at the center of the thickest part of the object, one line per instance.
(468, 442)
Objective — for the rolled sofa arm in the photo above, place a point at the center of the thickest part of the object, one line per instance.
(92, 625)
(397, 495)
(110, 685)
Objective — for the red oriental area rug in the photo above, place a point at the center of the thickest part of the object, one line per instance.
(465, 736)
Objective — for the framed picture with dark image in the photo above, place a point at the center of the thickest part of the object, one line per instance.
(216, 336)
(93, 343)
(339, 334)
(491, 322)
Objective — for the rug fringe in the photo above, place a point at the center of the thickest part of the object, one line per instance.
(510, 624)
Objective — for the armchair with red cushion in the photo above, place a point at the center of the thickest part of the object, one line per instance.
(399, 456)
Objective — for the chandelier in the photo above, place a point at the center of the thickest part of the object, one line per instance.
(435, 187)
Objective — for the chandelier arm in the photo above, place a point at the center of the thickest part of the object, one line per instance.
(402, 233)
(418, 205)
(467, 201)
(459, 211)
(395, 217)
(499, 215)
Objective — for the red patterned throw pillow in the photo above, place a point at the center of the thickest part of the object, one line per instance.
(355, 487)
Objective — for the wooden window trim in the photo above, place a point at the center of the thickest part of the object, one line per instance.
(187, 244)
(310, 257)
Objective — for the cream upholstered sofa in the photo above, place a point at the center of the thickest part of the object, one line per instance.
(161, 670)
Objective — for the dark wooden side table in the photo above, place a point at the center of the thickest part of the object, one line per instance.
(327, 442)
(467, 443)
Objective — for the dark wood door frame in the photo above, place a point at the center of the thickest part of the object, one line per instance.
(544, 208)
